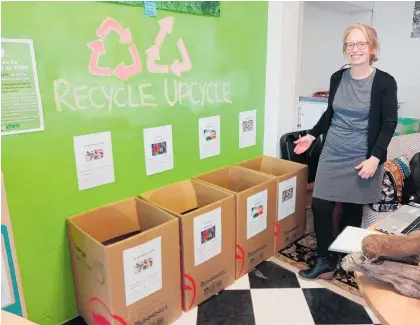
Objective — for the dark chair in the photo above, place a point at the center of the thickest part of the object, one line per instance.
(309, 158)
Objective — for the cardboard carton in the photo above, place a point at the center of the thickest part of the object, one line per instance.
(207, 224)
(126, 261)
(255, 195)
(292, 181)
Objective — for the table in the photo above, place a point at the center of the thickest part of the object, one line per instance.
(12, 319)
(390, 307)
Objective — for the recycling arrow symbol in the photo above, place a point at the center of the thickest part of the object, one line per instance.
(153, 53)
(123, 71)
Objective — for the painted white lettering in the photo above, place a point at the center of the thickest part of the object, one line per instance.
(168, 100)
(117, 103)
(208, 92)
(108, 96)
(91, 98)
(78, 97)
(226, 93)
(59, 96)
(183, 91)
(193, 101)
(130, 98)
(203, 93)
(144, 97)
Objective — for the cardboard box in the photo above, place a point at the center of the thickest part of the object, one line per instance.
(207, 224)
(126, 261)
(255, 213)
(292, 181)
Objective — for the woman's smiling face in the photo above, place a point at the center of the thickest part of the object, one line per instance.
(357, 49)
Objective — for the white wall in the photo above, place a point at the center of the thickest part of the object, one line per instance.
(322, 53)
(400, 54)
(282, 72)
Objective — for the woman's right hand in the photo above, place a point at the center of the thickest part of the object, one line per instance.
(303, 144)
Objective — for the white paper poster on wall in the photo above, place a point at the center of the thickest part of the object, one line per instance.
(142, 270)
(287, 198)
(21, 107)
(207, 236)
(256, 213)
(247, 129)
(94, 160)
(209, 136)
(158, 149)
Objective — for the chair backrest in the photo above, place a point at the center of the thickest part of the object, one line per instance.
(309, 158)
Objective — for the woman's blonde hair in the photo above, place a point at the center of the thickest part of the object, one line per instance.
(371, 36)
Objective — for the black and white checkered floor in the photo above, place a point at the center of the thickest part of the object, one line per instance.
(272, 295)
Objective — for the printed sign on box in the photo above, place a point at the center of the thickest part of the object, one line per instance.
(257, 213)
(142, 270)
(207, 236)
(287, 198)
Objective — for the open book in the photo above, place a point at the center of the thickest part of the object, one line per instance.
(350, 240)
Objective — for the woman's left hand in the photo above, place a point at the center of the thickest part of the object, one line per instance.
(368, 167)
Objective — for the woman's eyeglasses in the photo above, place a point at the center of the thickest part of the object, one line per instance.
(360, 45)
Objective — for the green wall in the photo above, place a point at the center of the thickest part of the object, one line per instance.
(39, 168)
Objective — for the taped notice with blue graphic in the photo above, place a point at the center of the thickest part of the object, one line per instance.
(10, 298)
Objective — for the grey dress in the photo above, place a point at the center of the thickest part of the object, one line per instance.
(346, 147)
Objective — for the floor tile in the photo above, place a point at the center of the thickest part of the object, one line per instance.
(230, 307)
(328, 307)
(240, 284)
(281, 306)
(75, 321)
(307, 284)
(189, 318)
(270, 275)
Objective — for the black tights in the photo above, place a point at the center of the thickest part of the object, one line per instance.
(323, 221)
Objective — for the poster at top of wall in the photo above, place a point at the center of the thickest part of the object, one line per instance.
(204, 8)
(21, 108)
(416, 20)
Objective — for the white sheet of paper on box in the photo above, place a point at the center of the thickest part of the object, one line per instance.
(142, 270)
(287, 198)
(6, 288)
(207, 236)
(209, 136)
(256, 213)
(94, 160)
(158, 149)
(247, 129)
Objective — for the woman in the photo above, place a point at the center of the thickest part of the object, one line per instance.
(357, 127)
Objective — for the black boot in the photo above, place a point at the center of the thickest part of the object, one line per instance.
(340, 273)
(323, 268)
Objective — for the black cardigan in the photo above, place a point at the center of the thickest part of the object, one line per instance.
(383, 115)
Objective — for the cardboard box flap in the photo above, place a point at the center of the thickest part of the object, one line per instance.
(184, 197)
(109, 221)
(120, 220)
(272, 166)
(151, 216)
(178, 197)
(234, 179)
